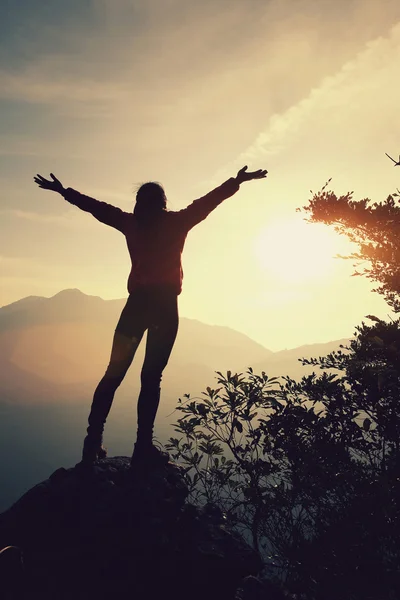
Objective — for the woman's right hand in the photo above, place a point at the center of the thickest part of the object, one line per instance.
(46, 184)
(245, 175)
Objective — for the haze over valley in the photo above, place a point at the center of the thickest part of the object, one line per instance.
(53, 352)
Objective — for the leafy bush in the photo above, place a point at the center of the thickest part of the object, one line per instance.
(309, 471)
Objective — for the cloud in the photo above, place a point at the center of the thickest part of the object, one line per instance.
(48, 84)
(72, 218)
(150, 80)
(23, 145)
(137, 49)
(40, 218)
(12, 145)
(23, 276)
(17, 266)
(359, 84)
(351, 116)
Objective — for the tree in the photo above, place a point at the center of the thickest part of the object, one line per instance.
(374, 227)
(309, 471)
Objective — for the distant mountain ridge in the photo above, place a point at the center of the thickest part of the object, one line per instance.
(52, 345)
(53, 352)
(58, 344)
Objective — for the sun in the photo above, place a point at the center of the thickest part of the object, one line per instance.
(293, 250)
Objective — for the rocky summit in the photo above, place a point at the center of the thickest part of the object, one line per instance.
(104, 532)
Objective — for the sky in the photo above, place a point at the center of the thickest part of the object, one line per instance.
(108, 94)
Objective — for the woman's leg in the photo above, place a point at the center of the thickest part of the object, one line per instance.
(161, 337)
(122, 353)
(128, 334)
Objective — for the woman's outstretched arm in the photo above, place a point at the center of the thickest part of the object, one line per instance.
(103, 212)
(201, 208)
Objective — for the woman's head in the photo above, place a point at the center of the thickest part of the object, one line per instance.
(150, 202)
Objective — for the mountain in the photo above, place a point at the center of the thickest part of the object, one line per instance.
(109, 532)
(286, 362)
(57, 346)
(53, 352)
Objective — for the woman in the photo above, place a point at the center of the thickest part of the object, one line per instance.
(155, 237)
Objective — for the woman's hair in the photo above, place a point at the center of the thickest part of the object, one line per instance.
(150, 202)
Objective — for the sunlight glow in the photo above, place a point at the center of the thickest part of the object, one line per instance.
(293, 250)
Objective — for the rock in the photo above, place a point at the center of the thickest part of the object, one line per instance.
(105, 532)
(254, 588)
(12, 572)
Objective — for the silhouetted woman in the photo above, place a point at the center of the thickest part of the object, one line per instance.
(155, 237)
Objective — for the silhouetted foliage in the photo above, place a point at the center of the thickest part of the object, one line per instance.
(309, 471)
(374, 227)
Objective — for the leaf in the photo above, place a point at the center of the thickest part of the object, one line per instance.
(373, 318)
(275, 403)
(377, 340)
(202, 410)
(238, 425)
(367, 424)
